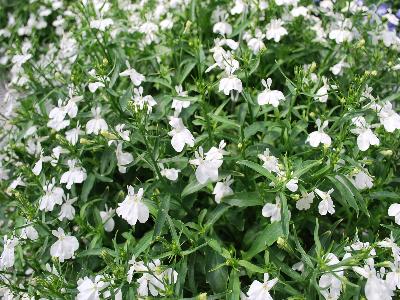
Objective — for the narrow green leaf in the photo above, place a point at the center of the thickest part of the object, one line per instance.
(259, 169)
(251, 267)
(244, 199)
(87, 187)
(161, 215)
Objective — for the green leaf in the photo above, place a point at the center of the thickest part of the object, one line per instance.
(87, 187)
(216, 272)
(250, 267)
(234, 286)
(192, 187)
(306, 166)
(161, 215)
(263, 239)
(285, 215)
(186, 70)
(143, 244)
(244, 199)
(359, 198)
(345, 193)
(215, 245)
(259, 169)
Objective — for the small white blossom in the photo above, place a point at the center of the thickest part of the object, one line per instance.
(272, 211)
(65, 247)
(326, 205)
(275, 30)
(319, 137)
(170, 174)
(181, 136)
(123, 158)
(91, 290)
(135, 76)
(268, 96)
(29, 232)
(106, 218)
(260, 290)
(97, 124)
(141, 102)
(53, 195)
(101, 24)
(304, 203)
(230, 83)
(132, 209)
(394, 211)
(223, 189)
(67, 210)
(7, 258)
(270, 161)
(75, 174)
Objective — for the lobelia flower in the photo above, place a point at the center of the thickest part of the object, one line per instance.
(269, 96)
(94, 86)
(57, 116)
(53, 195)
(67, 210)
(123, 158)
(330, 283)
(132, 209)
(208, 165)
(29, 232)
(319, 137)
(106, 218)
(37, 168)
(135, 76)
(65, 247)
(299, 266)
(238, 8)
(275, 30)
(223, 189)
(260, 290)
(141, 102)
(322, 94)
(7, 257)
(135, 266)
(394, 211)
(388, 117)
(101, 24)
(338, 68)
(256, 43)
(97, 124)
(270, 161)
(362, 181)
(230, 83)
(375, 288)
(124, 134)
(272, 211)
(71, 108)
(341, 35)
(72, 135)
(304, 203)
(90, 290)
(393, 277)
(75, 174)
(178, 104)
(299, 11)
(291, 185)
(181, 136)
(391, 243)
(170, 174)
(366, 137)
(222, 28)
(326, 205)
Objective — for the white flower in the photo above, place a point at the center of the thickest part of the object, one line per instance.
(132, 209)
(375, 288)
(299, 11)
(362, 181)
(90, 290)
(291, 185)
(67, 210)
(207, 167)
(223, 28)
(101, 24)
(106, 218)
(135, 266)
(393, 277)
(394, 211)
(170, 174)
(178, 104)
(181, 136)
(330, 283)
(72, 135)
(341, 35)
(338, 68)
(275, 30)
(97, 124)
(391, 243)
(269, 96)
(366, 137)
(319, 137)
(286, 2)
(304, 203)
(322, 93)
(223, 189)
(299, 266)
(270, 161)
(123, 158)
(272, 211)
(53, 195)
(7, 258)
(388, 117)
(135, 76)
(256, 43)
(326, 205)
(260, 290)
(152, 281)
(57, 116)
(238, 8)
(230, 83)
(38, 166)
(124, 134)
(75, 174)
(65, 247)
(29, 232)
(141, 102)
(94, 86)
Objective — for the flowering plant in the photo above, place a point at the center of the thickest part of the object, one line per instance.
(238, 149)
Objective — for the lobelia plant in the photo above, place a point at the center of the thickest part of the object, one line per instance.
(186, 149)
